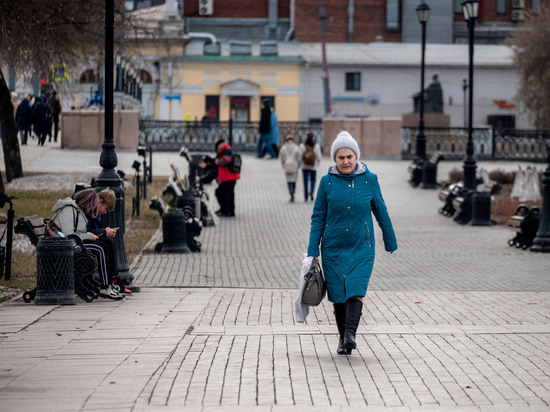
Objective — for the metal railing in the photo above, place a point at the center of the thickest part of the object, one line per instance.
(243, 136)
(489, 144)
(529, 145)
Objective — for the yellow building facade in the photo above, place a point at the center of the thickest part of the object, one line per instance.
(224, 88)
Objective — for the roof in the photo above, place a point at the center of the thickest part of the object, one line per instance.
(405, 54)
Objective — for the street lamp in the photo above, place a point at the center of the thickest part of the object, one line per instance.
(108, 177)
(541, 243)
(422, 12)
(470, 9)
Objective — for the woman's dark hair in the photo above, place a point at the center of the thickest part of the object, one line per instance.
(310, 140)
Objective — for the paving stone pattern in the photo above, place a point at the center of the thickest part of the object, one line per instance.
(455, 320)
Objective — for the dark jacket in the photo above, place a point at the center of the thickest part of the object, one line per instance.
(55, 107)
(211, 170)
(23, 115)
(94, 225)
(265, 120)
(41, 118)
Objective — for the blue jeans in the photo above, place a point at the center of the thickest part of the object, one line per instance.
(309, 180)
(265, 141)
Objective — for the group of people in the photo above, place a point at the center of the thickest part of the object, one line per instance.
(306, 157)
(35, 116)
(80, 215)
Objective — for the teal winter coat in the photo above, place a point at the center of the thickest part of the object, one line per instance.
(342, 224)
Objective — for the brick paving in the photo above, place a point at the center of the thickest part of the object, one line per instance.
(454, 320)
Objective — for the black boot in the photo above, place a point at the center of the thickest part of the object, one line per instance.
(353, 315)
(340, 315)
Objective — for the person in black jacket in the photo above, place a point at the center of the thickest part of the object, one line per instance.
(55, 109)
(23, 118)
(41, 119)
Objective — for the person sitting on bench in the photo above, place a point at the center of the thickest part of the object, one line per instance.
(70, 216)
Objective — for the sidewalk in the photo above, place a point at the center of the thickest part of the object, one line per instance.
(454, 320)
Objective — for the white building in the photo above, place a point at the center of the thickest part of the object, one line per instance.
(383, 77)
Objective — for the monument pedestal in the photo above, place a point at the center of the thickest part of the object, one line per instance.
(430, 120)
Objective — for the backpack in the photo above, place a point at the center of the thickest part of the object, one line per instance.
(236, 162)
(309, 156)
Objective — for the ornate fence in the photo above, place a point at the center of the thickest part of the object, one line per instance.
(489, 144)
(530, 145)
(172, 135)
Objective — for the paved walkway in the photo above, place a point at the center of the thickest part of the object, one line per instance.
(454, 320)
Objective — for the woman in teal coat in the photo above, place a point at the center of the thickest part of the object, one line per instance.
(342, 224)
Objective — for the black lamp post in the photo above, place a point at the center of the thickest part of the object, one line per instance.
(422, 12)
(470, 9)
(108, 177)
(541, 243)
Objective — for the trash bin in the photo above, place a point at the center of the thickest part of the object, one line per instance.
(481, 209)
(173, 232)
(55, 272)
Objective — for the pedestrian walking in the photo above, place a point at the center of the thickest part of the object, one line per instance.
(23, 118)
(310, 159)
(55, 110)
(42, 124)
(264, 142)
(290, 160)
(342, 223)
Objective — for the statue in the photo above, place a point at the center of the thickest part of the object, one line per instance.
(433, 98)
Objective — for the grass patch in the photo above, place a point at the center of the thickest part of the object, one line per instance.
(139, 230)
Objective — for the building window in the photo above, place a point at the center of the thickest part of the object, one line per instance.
(534, 6)
(353, 81)
(392, 15)
(501, 6)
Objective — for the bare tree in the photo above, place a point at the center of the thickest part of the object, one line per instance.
(532, 59)
(36, 34)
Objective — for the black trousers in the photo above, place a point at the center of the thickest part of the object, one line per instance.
(225, 193)
(55, 126)
(104, 249)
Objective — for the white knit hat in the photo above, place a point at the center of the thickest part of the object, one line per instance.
(344, 140)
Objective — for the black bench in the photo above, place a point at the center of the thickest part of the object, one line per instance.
(425, 171)
(447, 194)
(85, 264)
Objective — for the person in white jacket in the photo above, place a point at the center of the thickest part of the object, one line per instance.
(290, 156)
(310, 156)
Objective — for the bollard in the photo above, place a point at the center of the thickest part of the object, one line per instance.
(429, 175)
(173, 232)
(55, 272)
(481, 209)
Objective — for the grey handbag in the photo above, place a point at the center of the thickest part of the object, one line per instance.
(315, 287)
